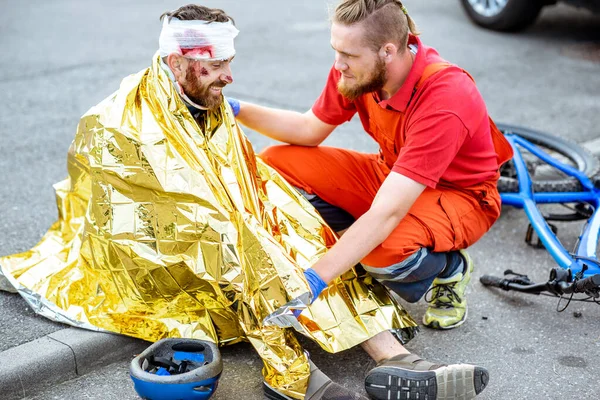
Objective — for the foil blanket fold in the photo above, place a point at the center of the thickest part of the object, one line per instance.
(170, 226)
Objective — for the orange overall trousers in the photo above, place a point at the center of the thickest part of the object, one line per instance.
(444, 219)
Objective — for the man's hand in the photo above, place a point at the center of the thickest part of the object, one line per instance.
(286, 315)
(235, 105)
(316, 284)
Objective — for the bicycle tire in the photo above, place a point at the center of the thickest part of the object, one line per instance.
(582, 159)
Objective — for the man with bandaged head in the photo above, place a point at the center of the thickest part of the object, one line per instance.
(196, 46)
(169, 226)
(197, 57)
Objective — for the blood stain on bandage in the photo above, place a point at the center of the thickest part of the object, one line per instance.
(199, 51)
(204, 49)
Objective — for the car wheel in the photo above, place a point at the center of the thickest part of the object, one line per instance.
(503, 15)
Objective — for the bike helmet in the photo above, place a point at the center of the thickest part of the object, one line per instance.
(177, 369)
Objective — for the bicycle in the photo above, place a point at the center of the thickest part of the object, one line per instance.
(577, 271)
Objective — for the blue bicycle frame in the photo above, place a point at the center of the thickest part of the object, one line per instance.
(528, 200)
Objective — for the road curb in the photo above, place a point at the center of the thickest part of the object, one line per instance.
(60, 356)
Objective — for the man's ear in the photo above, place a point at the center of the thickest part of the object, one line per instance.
(175, 63)
(388, 51)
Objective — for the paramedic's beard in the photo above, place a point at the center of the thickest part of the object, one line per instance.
(373, 83)
(200, 93)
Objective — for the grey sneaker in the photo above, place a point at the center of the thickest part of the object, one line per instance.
(407, 376)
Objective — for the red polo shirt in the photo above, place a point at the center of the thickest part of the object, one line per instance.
(437, 133)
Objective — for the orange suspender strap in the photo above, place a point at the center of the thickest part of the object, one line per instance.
(501, 145)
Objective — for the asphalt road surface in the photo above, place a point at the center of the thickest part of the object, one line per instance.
(62, 57)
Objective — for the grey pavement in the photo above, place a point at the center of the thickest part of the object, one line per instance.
(64, 56)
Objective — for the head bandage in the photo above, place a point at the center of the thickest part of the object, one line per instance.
(199, 40)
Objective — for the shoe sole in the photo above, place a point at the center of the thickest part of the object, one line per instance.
(458, 381)
(436, 324)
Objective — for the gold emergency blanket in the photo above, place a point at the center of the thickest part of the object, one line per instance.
(171, 227)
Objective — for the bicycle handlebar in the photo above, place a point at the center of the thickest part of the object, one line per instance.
(508, 284)
(490, 280)
(586, 285)
(589, 285)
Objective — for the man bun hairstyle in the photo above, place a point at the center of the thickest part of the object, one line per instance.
(384, 21)
(194, 12)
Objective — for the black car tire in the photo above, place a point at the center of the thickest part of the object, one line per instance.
(516, 15)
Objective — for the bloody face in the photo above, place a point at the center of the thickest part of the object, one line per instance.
(204, 81)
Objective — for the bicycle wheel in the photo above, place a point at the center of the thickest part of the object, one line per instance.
(546, 178)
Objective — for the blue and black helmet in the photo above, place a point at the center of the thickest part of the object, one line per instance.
(177, 369)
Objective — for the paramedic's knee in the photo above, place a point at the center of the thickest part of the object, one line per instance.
(272, 154)
(412, 277)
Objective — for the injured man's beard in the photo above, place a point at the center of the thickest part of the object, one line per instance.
(200, 92)
(373, 83)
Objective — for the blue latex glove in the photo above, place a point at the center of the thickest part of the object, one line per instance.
(316, 284)
(235, 105)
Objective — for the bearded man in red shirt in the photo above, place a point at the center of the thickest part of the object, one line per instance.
(409, 212)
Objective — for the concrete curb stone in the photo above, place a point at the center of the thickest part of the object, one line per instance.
(60, 356)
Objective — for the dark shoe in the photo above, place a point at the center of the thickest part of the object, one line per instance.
(320, 387)
(407, 376)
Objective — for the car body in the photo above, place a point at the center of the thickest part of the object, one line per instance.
(515, 15)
